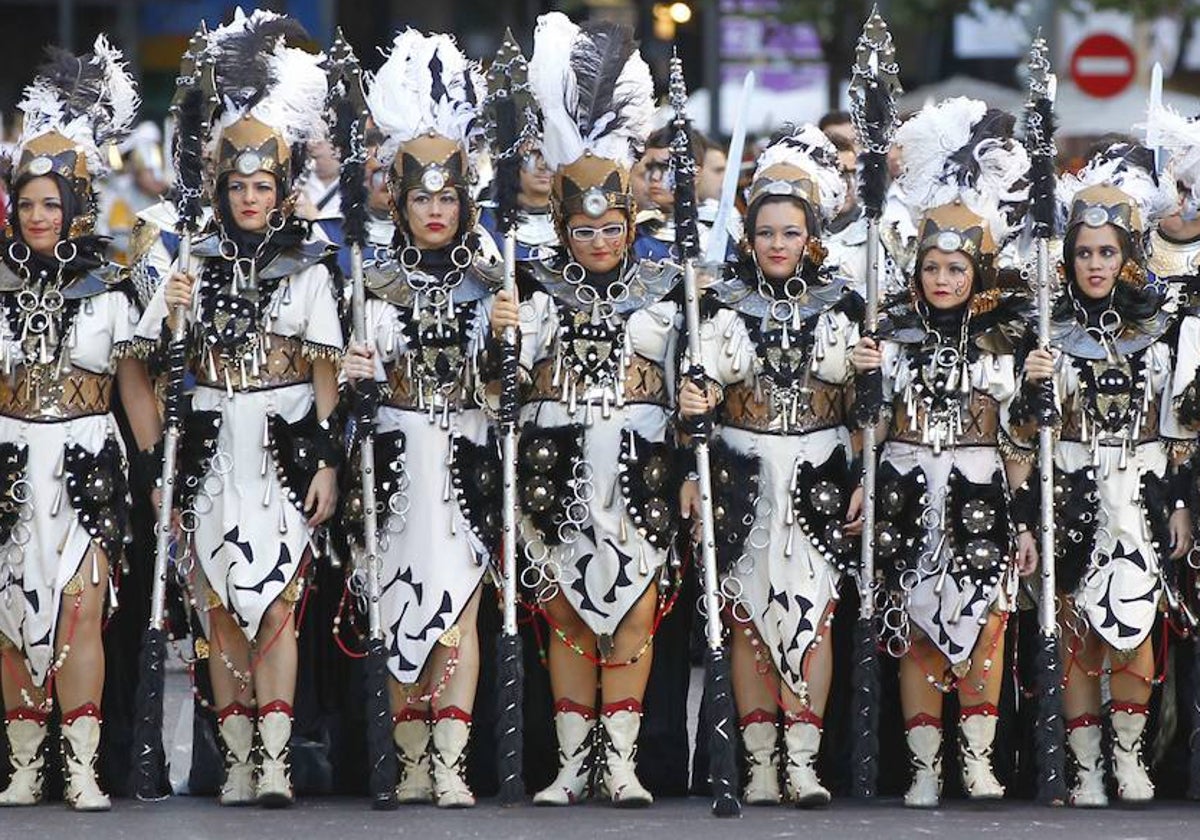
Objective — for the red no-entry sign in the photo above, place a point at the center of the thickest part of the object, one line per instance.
(1103, 65)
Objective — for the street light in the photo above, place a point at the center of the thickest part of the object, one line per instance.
(669, 15)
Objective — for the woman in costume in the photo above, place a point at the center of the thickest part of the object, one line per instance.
(944, 542)
(257, 458)
(69, 317)
(595, 477)
(1122, 474)
(437, 456)
(776, 344)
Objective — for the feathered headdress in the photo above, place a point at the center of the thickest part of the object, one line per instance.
(964, 175)
(425, 99)
(596, 97)
(802, 163)
(1180, 137)
(271, 95)
(75, 107)
(1118, 186)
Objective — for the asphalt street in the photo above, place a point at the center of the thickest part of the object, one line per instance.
(194, 818)
(184, 818)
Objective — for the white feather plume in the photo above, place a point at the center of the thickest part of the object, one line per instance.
(560, 48)
(808, 148)
(934, 170)
(103, 113)
(1117, 167)
(1180, 137)
(401, 96)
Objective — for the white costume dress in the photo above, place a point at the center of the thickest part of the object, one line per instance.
(782, 420)
(594, 476)
(250, 535)
(52, 430)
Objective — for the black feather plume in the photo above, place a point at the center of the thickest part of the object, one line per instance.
(683, 159)
(995, 124)
(1039, 137)
(189, 141)
(351, 180)
(243, 57)
(598, 61)
(872, 183)
(78, 81)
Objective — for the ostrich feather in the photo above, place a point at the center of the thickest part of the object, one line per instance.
(594, 89)
(1130, 168)
(807, 148)
(1181, 138)
(425, 84)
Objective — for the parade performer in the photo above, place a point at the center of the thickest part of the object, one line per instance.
(438, 459)
(595, 475)
(776, 348)
(537, 236)
(257, 458)
(944, 545)
(69, 317)
(1123, 480)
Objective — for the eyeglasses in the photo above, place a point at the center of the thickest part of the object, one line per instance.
(588, 234)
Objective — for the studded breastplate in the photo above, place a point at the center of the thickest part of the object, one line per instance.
(1115, 404)
(434, 370)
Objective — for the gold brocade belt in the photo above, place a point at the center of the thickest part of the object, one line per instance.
(283, 364)
(980, 422)
(645, 382)
(48, 398)
(403, 392)
(754, 410)
(1072, 426)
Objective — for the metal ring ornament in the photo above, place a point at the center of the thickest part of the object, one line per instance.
(894, 619)
(741, 611)
(766, 537)
(356, 583)
(781, 310)
(531, 576)
(574, 273)
(212, 485)
(744, 565)
(189, 521)
(548, 593)
(28, 301)
(21, 534)
(19, 252)
(1193, 558)
(620, 295)
(461, 256)
(21, 491)
(275, 220)
(577, 513)
(931, 519)
(410, 257)
(536, 551)
(568, 533)
(583, 471)
(73, 251)
(946, 357)
(731, 587)
(53, 300)
(898, 646)
(229, 253)
(909, 580)
(203, 504)
(399, 504)
(222, 463)
(800, 289)
(1111, 321)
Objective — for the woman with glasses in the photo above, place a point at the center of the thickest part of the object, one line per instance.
(435, 455)
(776, 340)
(598, 339)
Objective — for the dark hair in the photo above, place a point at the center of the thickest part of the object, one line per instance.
(70, 204)
(1134, 304)
(810, 221)
(661, 139)
(841, 142)
(833, 118)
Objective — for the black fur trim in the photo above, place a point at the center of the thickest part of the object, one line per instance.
(299, 450)
(900, 500)
(476, 477)
(546, 462)
(99, 493)
(820, 499)
(980, 531)
(650, 485)
(736, 488)
(197, 446)
(13, 458)
(1076, 506)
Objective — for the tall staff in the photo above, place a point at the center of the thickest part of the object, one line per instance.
(192, 107)
(511, 123)
(720, 722)
(1039, 142)
(873, 109)
(348, 108)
